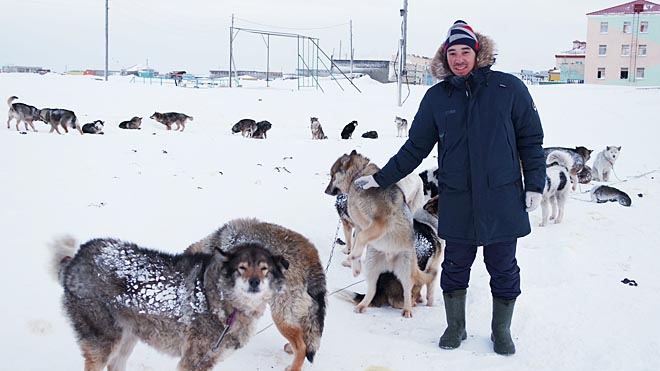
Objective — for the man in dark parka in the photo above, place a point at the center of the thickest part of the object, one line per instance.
(486, 126)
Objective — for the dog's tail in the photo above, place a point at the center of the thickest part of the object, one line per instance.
(560, 158)
(350, 296)
(64, 248)
(75, 124)
(11, 100)
(313, 328)
(189, 118)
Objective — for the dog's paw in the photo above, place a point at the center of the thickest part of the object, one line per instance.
(346, 251)
(360, 308)
(288, 348)
(407, 313)
(541, 224)
(346, 263)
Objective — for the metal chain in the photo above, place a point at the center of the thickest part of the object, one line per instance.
(332, 250)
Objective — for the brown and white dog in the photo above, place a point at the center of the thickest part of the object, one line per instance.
(298, 309)
(170, 118)
(428, 248)
(382, 221)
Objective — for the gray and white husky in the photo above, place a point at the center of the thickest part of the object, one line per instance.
(604, 163)
(555, 193)
(22, 112)
(602, 193)
(199, 307)
(60, 117)
(401, 126)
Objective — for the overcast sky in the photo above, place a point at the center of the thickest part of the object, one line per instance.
(194, 35)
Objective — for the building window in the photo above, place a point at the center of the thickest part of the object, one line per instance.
(624, 73)
(601, 73)
(626, 27)
(641, 50)
(640, 73)
(644, 27)
(602, 50)
(603, 27)
(625, 50)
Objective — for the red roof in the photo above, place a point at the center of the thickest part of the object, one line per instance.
(628, 8)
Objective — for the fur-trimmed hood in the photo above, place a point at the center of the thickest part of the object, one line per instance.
(485, 57)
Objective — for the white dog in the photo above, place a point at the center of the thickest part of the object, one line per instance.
(401, 127)
(555, 193)
(604, 163)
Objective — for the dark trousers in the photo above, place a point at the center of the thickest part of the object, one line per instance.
(500, 259)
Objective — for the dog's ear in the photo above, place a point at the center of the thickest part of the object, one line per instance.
(281, 262)
(222, 256)
(354, 153)
(619, 148)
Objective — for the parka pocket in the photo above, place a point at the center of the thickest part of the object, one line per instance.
(500, 178)
(456, 182)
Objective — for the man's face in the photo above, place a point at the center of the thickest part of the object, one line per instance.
(461, 59)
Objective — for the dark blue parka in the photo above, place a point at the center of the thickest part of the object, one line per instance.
(486, 126)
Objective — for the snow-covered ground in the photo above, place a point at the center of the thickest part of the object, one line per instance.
(165, 190)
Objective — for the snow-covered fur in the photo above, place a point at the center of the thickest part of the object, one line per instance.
(116, 293)
(604, 163)
(556, 188)
(485, 57)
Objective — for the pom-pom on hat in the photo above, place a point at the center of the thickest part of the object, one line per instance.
(461, 34)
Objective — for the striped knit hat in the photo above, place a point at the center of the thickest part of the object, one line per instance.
(461, 34)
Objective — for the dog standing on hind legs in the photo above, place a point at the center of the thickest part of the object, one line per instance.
(383, 221)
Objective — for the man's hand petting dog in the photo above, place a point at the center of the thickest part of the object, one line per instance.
(366, 182)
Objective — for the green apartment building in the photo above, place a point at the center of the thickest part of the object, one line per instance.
(623, 45)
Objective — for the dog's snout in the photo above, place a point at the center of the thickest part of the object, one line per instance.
(254, 282)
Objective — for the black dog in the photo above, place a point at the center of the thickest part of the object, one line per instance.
(262, 128)
(347, 132)
(370, 134)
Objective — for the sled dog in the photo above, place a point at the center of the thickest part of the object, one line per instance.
(133, 123)
(246, 127)
(170, 118)
(117, 293)
(556, 189)
(298, 309)
(381, 220)
(401, 126)
(580, 156)
(604, 163)
(603, 193)
(22, 112)
(347, 131)
(317, 129)
(59, 117)
(95, 127)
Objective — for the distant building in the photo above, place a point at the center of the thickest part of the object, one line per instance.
(378, 70)
(624, 45)
(260, 75)
(418, 70)
(23, 69)
(571, 63)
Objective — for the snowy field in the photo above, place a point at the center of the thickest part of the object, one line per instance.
(165, 190)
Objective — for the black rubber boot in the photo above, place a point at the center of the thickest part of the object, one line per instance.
(455, 310)
(501, 326)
